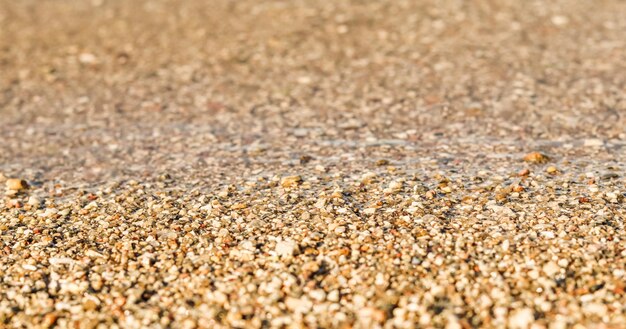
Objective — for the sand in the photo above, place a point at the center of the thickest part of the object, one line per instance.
(344, 164)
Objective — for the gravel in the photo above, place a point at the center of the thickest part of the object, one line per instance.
(249, 164)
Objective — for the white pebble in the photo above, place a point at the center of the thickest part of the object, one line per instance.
(286, 248)
(521, 319)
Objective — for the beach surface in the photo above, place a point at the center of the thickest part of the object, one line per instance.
(312, 164)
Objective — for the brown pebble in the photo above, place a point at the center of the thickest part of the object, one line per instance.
(502, 195)
(523, 172)
(89, 305)
(291, 181)
(237, 206)
(305, 159)
(431, 194)
(518, 188)
(536, 157)
(382, 162)
(49, 320)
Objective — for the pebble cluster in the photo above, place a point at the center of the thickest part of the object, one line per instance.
(312, 164)
(325, 248)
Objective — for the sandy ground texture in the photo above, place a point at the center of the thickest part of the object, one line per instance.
(321, 164)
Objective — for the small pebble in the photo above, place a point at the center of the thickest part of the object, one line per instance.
(536, 157)
(16, 184)
(552, 170)
(286, 248)
(521, 318)
(290, 181)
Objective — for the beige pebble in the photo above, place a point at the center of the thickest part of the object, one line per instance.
(286, 248)
(34, 201)
(290, 181)
(16, 184)
(551, 269)
(552, 170)
(521, 319)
